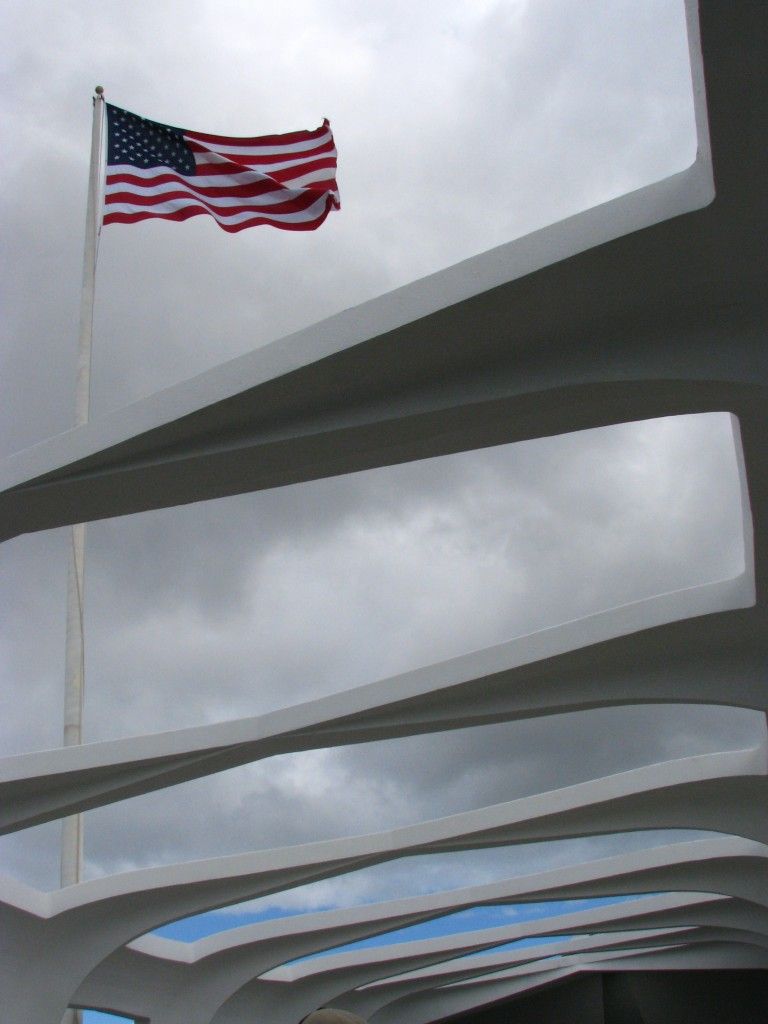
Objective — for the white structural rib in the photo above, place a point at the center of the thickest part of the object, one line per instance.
(404, 996)
(480, 972)
(286, 995)
(108, 912)
(588, 663)
(185, 983)
(435, 1002)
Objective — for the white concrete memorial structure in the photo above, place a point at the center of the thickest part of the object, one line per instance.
(651, 305)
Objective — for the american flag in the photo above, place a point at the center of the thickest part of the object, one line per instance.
(153, 170)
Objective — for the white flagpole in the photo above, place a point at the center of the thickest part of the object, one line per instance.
(72, 835)
(72, 827)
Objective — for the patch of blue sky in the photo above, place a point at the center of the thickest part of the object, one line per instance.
(97, 1017)
(476, 919)
(189, 929)
(505, 947)
(473, 919)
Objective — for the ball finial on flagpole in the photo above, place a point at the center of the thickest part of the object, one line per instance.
(99, 90)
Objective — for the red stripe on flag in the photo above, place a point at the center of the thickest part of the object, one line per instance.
(299, 172)
(291, 205)
(248, 159)
(286, 139)
(188, 212)
(141, 186)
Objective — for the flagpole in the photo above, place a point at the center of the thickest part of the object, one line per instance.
(72, 831)
(71, 863)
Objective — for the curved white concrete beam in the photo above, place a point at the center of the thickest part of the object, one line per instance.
(433, 1004)
(708, 912)
(184, 983)
(492, 966)
(717, 792)
(288, 994)
(106, 913)
(621, 656)
(479, 973)
(728, 954)
(417, 1007)
(669, 947)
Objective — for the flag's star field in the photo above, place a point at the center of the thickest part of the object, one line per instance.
(136, 140)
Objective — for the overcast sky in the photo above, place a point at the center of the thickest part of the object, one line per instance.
(460, 125)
